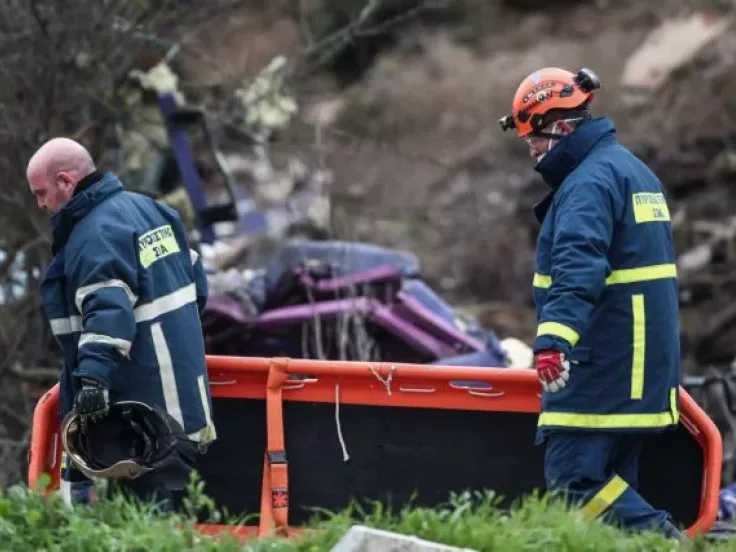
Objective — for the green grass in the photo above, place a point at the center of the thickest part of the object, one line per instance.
(30, 523)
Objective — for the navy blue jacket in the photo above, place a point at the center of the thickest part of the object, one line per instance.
(605, 287)
(123, 295)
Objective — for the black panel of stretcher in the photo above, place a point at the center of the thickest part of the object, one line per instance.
(396, 452)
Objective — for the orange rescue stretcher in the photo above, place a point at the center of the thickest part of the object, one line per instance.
(392, 432)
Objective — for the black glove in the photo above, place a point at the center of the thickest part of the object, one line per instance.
(92, 401)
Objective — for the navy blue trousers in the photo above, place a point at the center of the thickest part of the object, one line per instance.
(599, 472)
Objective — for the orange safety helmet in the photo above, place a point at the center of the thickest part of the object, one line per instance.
(546, 92)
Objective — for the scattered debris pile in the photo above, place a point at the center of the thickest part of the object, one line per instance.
(279, 230)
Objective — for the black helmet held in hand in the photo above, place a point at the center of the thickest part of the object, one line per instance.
(134, 439)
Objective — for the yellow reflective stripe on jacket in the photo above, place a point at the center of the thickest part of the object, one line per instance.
(642, 274)
(558, 330)
(673, 405)
(603, 499)
(605, 421)
(623, 276)
(613, 421)
(542, 281)
(639, 346)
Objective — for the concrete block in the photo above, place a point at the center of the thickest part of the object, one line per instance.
(365, 539)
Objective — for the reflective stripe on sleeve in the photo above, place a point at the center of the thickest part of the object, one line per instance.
(143, 313)
(558, 330)
(84, 291)
(122, 345)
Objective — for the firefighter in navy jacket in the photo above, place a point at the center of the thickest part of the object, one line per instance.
(607, 348)
(123, 294)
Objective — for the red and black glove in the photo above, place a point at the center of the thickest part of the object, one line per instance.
(553, 369)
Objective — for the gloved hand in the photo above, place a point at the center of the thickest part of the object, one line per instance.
(553, 369)
(92, 401)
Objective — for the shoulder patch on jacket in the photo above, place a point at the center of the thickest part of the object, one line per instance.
(650, 207)
(157, 244)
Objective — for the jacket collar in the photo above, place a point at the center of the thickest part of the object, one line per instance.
(90, 192)
(568, 153)
(94, 176)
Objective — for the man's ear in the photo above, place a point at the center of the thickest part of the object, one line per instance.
(64, 180)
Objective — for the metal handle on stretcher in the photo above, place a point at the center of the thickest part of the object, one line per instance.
(478, 391)
(288, 384)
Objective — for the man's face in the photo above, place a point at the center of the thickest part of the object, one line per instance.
(52, 191)
(539, 146)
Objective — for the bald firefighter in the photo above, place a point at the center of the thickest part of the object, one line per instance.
(607, 349)
(123, 295)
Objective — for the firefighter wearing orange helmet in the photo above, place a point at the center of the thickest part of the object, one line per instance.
(607, 349)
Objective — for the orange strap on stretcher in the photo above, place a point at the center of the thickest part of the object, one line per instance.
(275, 489)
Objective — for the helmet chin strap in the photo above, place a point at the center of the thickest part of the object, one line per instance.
(551, 142)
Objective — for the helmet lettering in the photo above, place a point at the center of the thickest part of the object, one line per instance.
(537, 89)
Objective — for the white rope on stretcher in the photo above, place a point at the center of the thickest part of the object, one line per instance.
(386, 382)
(345, 455)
